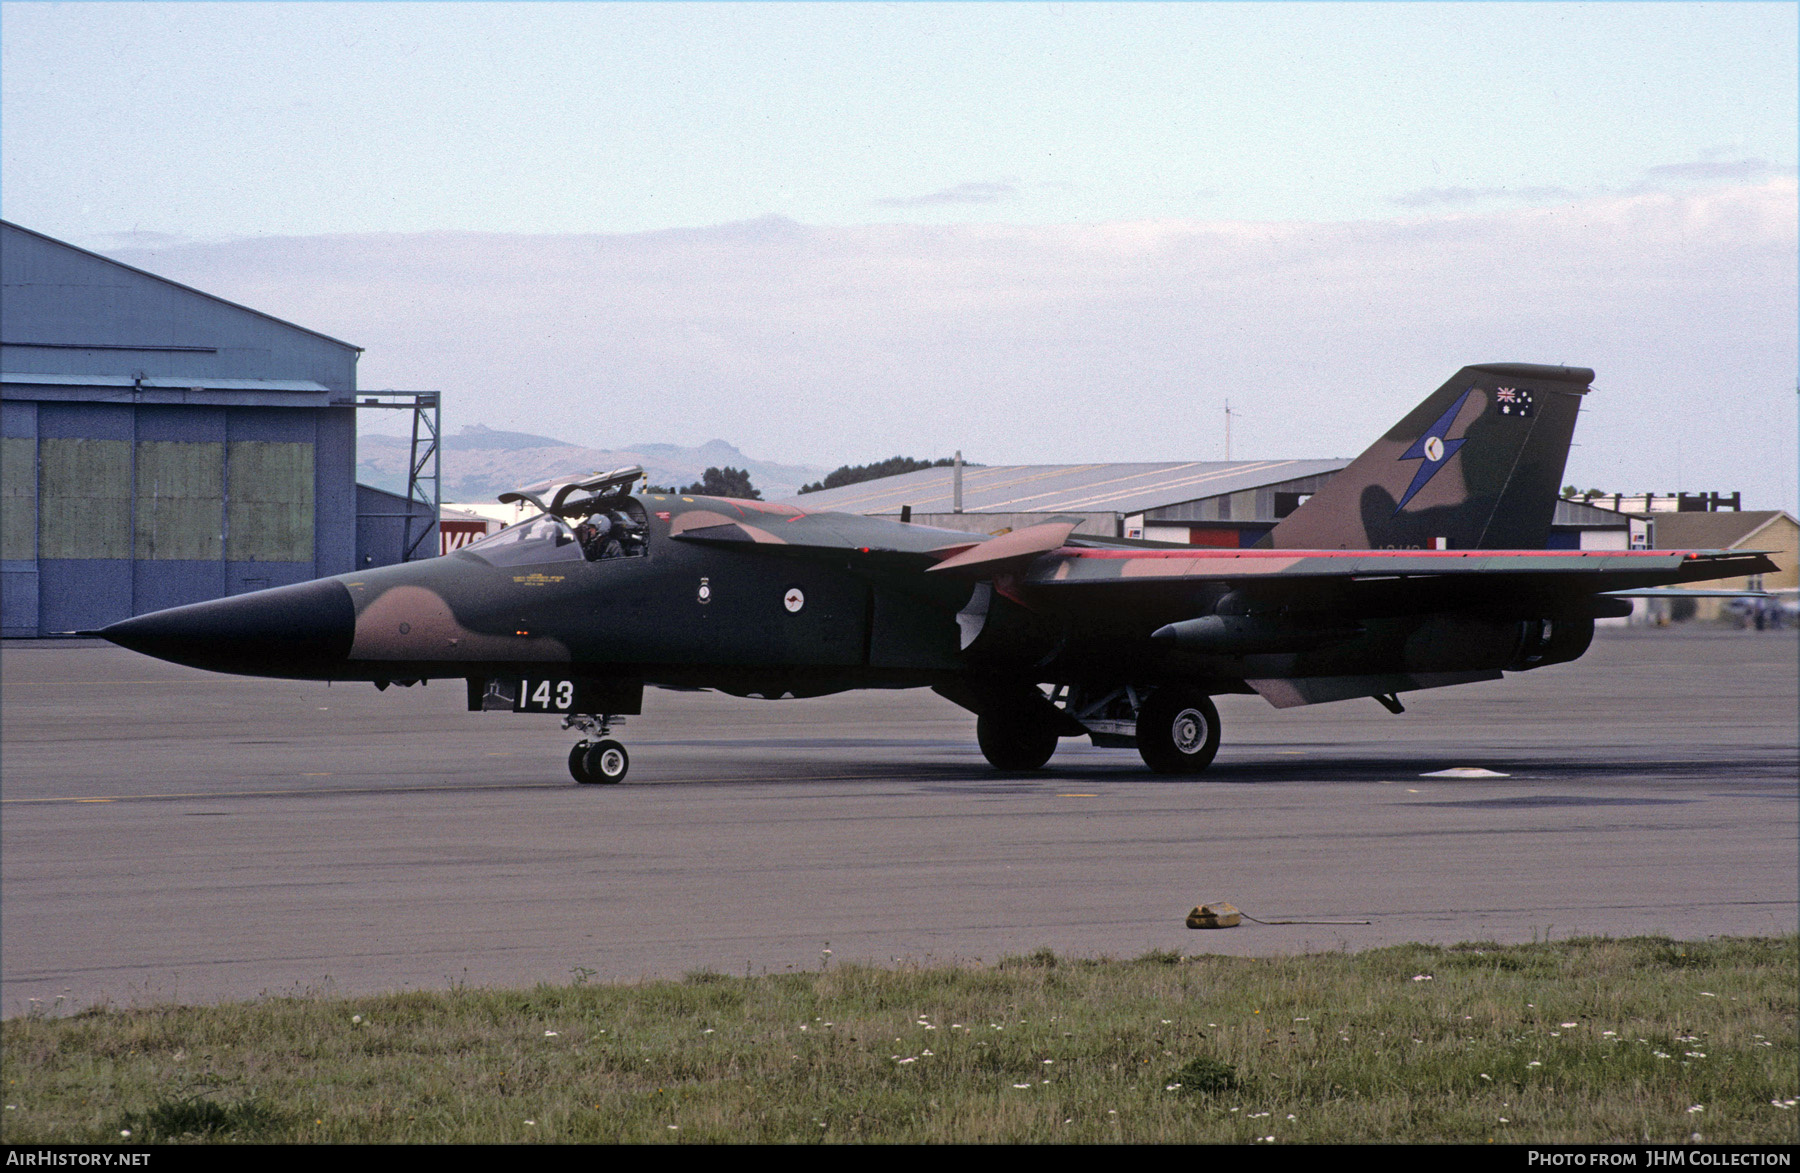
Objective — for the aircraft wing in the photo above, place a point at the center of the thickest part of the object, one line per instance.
(1042, 559)
(784, 531)
(1374, 582)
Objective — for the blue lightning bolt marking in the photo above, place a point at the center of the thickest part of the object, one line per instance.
(1420, 450)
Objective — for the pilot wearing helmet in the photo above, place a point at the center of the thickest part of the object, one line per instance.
(598, 538)
(629, 533)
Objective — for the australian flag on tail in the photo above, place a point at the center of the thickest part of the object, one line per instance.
(1512, 401)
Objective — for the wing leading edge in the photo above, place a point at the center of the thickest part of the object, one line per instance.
(1589, 571)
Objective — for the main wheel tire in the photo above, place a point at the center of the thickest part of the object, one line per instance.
(1012, 739)
(1178, 731)
(607, 762)
(578, 764)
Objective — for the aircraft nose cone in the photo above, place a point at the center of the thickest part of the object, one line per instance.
(297, 631)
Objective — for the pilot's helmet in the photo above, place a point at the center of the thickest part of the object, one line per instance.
(602, 524)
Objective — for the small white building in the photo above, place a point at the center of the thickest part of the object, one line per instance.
(462, 525)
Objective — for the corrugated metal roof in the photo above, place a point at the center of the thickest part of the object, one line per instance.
(1578, 512)
(171, 382)
(1052, 488)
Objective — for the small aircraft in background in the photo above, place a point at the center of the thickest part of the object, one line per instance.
(1418, 566)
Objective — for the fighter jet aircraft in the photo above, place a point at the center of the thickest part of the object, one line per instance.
(1418, 566)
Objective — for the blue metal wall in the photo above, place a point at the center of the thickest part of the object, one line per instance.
(99, 365)
(382, 530)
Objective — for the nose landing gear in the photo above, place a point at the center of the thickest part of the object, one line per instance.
(596, 759)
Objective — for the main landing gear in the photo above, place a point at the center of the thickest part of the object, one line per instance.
(1178, 730)
(1174, 727)
(1015, 738)
(596, 759)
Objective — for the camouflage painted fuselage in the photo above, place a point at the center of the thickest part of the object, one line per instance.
(747, 614)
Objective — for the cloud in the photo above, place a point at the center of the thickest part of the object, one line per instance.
(136, 238)
(1428, 197)
(1738, 170)
(1072, 342)
(962, 193)
(1710, 168)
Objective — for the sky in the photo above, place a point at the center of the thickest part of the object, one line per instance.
(833, 232)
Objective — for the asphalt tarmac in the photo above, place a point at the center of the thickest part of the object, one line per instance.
(172, 835)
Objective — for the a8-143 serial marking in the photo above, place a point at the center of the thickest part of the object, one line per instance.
(544, 696)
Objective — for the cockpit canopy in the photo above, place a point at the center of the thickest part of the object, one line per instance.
(590, 518)
(554, 496)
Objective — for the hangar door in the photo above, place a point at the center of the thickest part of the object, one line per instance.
(102, 518)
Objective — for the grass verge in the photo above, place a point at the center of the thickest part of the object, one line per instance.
(1594, 1040)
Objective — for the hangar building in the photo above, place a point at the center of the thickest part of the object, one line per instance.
(159, 445)
(1201, 503)
(1771, 530)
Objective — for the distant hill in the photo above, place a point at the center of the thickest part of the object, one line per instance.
(476, 436)
(481, 463)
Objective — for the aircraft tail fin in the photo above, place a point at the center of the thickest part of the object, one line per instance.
(1475, 466)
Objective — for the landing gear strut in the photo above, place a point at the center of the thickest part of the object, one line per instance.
(596, 759)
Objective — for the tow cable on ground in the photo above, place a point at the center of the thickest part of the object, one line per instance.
(1220, 915)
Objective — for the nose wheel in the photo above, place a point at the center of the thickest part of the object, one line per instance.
(596, 760)
(599, 763)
